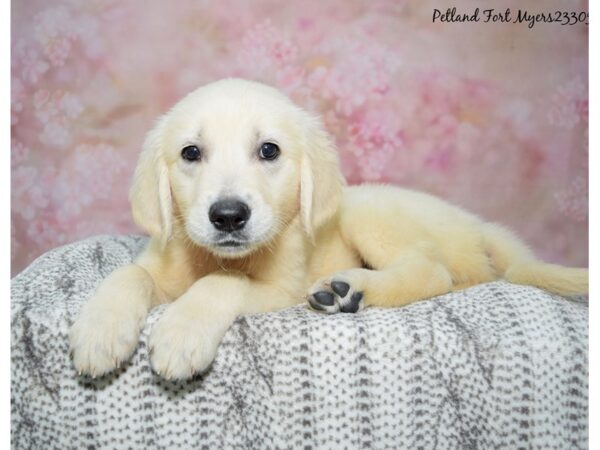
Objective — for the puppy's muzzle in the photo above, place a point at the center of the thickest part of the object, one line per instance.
(229, 214)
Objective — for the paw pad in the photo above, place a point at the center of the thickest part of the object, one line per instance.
(324, 298)
(339, 297)
(354, 304)
(340, 288)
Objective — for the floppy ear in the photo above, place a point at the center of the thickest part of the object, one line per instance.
(321, 180)
(150, 193)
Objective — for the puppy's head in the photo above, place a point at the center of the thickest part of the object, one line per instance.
(234, 162)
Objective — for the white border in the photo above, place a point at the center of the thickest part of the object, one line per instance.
(594, 336)
(5, 222)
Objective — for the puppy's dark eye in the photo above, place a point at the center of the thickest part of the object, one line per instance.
(268, 151)
(191, 153)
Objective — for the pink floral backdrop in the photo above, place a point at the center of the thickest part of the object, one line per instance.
(491, 116)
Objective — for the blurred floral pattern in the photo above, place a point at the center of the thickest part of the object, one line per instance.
(491, 116)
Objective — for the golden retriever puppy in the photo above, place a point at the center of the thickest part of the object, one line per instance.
(248, 212)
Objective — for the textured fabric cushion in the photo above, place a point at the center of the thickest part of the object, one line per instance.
(494, 366)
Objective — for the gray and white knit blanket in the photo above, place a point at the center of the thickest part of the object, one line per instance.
(494, 366)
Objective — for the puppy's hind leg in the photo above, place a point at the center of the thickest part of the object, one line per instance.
(409, 277)
(515, 262)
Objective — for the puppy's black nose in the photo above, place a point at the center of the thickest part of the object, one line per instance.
(229, 214)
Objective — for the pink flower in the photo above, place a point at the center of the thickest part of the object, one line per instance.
(71, 105)
(56, 134)
(18, 154)
(290, 78)
(22, 179)
(93, 174)
(55, 110)
(53, 29)
(43, 232)
(375, 138)
(46, 105)
(29, 63)
(360, 71)
(519, 113)
(439, 159)
(88, 31)
(569, 103)
(264, 48)
(58, 50)
(30, 191)
(17, 97)
(573, 201)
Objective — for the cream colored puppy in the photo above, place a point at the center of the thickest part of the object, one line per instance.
(242, 194)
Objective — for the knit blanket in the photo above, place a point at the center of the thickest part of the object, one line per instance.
(494, 366)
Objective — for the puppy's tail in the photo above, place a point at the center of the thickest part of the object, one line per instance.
(515, 262)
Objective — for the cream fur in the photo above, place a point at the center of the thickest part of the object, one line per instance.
(306, 230)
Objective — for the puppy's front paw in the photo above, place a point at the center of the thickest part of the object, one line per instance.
(183, 343)
(102, 338)
(334, 295)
